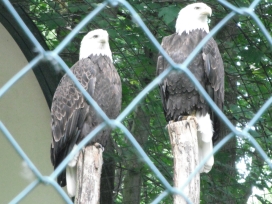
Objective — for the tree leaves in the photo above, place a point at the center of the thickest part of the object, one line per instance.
(252, 55)
(169, 13)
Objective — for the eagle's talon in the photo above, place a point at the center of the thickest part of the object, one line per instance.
(98, 145)
(188, 118)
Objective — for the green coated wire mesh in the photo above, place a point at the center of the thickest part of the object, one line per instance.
(241, 173)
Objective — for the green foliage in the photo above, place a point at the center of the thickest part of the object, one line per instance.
(252, 55)
(169, 14)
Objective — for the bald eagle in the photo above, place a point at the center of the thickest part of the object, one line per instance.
(180, 98)
(72, 117)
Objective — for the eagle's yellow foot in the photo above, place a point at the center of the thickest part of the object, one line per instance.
(189, 117)
(171, 121)
(97, 145)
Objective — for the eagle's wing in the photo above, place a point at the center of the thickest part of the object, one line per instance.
(162, 86)
(68, 112)
(166, 86)
(214, 70)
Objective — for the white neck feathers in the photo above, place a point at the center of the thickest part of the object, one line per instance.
(86, 51)
(190, 26)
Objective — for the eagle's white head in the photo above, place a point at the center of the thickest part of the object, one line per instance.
(96, 42)
(192, 17)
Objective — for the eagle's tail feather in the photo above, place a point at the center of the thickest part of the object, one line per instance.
(204, 148)
(71, 176)
(205, 145)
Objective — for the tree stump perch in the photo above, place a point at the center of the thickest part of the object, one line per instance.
(183, 138)
(89, 167)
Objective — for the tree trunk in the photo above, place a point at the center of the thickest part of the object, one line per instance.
(89, 168)
(183, 138)
(133, 178)
(108, 174)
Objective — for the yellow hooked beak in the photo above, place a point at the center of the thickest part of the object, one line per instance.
(207, 11)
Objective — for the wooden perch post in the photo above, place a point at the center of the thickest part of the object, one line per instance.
(183, 137)
(89, 167)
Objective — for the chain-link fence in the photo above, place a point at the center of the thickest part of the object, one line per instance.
(241, 125)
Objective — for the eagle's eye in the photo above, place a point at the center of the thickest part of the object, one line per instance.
(95, 36)
(197, 7)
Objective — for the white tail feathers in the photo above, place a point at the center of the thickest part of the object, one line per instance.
(204, 148)
(204, 135)
(71, 175)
